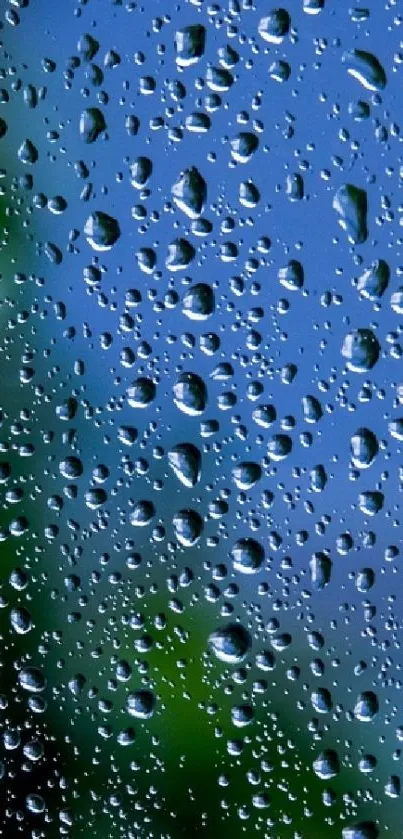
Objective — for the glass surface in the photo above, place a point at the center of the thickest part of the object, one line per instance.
(201, 419)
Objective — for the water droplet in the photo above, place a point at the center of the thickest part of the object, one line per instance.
(350, 203)
(188, 526)
(142, 513)
(190, 394)
(141, 393)
(321, 569)
(364, 448)
(361, 830)
(327, 765)
(141, 704)
(198, 302)
(71, 468)
(246, 474)
(264, 415)
(321, 700)
(371, 502)
(140, 172)
(275, 26)
(190, 192)
(28, 153)
(361, 350)
(279, 446)
(102, 231)
(180, 255)
(374, 281)
(292, 276)
(247, 555)
(243, 146)
(365, 579)
(185, 460)
(392, 786)
(31, 679)
(242, 715)
(92, 124)
(190, 44)
(21, 620)
(366, 706)
(365, 67)
(230, 643)
(313, 7)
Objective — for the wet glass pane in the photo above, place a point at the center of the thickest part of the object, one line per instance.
(201, 419)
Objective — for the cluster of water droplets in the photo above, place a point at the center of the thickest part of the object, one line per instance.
(201, 419)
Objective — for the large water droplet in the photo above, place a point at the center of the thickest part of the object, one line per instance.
(365, 67)
(366, 706)
(321, 569)
(92, 124)
(141, 393)
(102, 231)
(327, 765)
(141, 704)
(230, 643)
(198, 302)
(190, 192)
(373, 282)
(361, 830)
(361, 350)
(185, 460)
(190, 394)
(350, 203)
(190, 44)
(188, 526)
(247, 555)
(275, 26)
(364, 448)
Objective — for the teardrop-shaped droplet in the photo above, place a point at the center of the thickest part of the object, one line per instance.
(185, 460)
